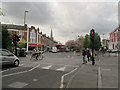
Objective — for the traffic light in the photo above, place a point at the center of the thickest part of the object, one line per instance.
(18, 38)
(92, 35)
(15, 39)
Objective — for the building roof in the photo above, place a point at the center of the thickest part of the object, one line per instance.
(115, 30)
(12, 26)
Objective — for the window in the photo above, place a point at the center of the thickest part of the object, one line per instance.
(32, 40)
(119, 34)
(20, 33)
(5, 53)
(32, 36)
(23, 33)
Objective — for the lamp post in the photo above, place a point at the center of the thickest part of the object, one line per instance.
(25, 17)
(24, 22)
(103, 35)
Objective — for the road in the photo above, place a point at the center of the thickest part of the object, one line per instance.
(46, 73)
(62, 70)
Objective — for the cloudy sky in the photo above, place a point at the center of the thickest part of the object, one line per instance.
(67, 19)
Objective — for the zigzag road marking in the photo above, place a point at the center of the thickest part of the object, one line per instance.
(47, 67)
(11, 69)
(61, 69)
(21, 71)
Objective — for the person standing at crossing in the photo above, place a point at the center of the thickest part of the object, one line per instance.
(84, 54)
(88, 54)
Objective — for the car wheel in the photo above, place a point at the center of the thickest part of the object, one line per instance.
(16, 63)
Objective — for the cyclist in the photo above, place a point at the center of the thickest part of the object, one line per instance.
(34, 53)
(37, 53)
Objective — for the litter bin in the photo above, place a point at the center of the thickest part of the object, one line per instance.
(17, 52)
(23, 52)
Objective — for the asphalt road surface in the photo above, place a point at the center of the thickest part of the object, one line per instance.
(62, 70)
(45, 73)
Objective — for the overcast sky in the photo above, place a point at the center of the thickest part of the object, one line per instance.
(67, 19)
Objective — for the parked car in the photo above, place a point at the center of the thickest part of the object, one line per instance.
(109, 50)
(50, 49)
(114, 51)
(8, 58)
(67, 50)
(54, 49)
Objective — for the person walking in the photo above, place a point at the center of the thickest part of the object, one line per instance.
(88, 54)
(84, 54)
(93, 54)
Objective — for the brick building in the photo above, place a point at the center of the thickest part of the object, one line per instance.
(114, 39)
(34, 36)
(105, 43)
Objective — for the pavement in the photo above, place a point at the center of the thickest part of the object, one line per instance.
(86, 76)
(104, 74)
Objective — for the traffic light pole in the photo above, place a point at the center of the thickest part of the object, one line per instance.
(92, 37)
(15, 45)
(93, 60)
(15, 41)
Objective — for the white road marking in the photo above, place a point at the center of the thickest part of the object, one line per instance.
(109, 64)
(34, 68)
(21, 72)
(21, 64)
(18, 85)
(106, 69)
(14, 73)
(4, 70)
(70, 80)
(60, 64)
(61, 69)
(11, 69)
(62, 78)
(35, 80)
(47, 67)
(99, 78)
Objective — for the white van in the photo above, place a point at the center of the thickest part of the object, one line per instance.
(54, 49)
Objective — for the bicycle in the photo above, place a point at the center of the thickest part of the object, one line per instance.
(41, 55)
(33, 56)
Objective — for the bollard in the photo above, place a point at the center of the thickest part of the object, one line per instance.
(74, 52)
(17, 52)
(23, 53)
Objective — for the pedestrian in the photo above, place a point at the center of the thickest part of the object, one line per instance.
(88, 54)
(84, 54)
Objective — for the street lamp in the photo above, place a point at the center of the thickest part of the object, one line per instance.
(25, 17)
(103, 35)
(24, 22)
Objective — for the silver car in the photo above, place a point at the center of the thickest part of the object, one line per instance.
(6, 57)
